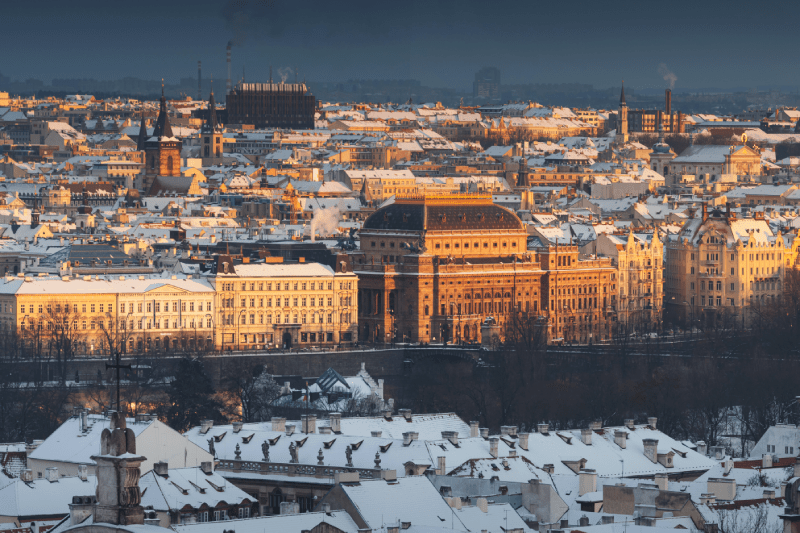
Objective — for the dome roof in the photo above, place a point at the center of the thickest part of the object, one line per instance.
(433, 215)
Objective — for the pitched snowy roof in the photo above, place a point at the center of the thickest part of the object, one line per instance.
(189, 488)
(289, 523)
(69, 444)
(42, 498)
(413, 499)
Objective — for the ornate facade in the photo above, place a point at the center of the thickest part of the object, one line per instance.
(433, 268)
(720, 265)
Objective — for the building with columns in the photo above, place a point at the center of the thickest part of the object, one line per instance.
(433, 268)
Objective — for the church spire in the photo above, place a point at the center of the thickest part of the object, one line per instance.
(622, 95)
(162, 128)
(142, 133)
(210, 125)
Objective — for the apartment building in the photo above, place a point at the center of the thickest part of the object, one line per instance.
(99, 313)
(638, 258)
(721, 265)
(578, 295)
(284, 305)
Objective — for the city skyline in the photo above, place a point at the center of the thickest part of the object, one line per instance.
(435, 44)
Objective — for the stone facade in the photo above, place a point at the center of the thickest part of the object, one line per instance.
(432, 268)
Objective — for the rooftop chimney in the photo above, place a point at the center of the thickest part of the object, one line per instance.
(409, 436)
(289, 430)
(405, 413)
(662, 481)
(441, 466)
(237, 426)
(766, 460)
(651, 449)
(586, 436)
(205, 425)
(452, 436)
(587, 481)
(207, 467)
(702, 449)
(597, 425)
(484, 433)
(278, 424)
(629, 423)
(652, 422)
(308, 423)
(51, 473)
(621, 438)
(83, 472)
(523, 441)
(494, 444)
(474, 430)
(336, 422)
(161, 468)
(543, 428)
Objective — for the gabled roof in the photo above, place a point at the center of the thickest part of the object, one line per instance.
(413, 499)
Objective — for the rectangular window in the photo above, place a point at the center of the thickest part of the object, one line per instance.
(191, 306)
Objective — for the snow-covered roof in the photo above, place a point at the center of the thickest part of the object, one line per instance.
(291, 522)
(190, 488)
(283, 270)
(413, 499)
(42, 498)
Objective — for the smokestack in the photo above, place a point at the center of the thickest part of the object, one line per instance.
(199, 82)
(228, 55)
(668, 103)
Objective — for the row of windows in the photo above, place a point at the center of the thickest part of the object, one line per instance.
(124, 308)
(303, 302)
(296, 285)
(279, 318)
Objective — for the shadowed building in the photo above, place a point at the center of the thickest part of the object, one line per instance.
(272, 105)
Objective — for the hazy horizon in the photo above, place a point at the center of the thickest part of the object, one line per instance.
(691, 46)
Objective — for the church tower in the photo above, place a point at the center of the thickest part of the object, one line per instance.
(211, 142)
(622, 118)
(162, 151)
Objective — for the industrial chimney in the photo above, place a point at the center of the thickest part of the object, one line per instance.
(668, 103)
(228, 55)
(199, 82)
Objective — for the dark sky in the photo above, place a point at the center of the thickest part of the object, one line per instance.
(704, 43)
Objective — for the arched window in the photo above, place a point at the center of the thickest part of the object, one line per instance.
(170, 169)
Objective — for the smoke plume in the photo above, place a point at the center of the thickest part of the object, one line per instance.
(284, 73)
(325, 222)
(667, 74)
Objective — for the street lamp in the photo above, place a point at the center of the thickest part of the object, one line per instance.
(213, 330)
(238, 323)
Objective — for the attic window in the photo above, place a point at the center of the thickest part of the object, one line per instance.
(565, 438)
(385, 448)
(216, 487)
(301, 442)
(273, 442)
(356, 445)
(218, 438)
(245, 440)
(328, 444)
(183, 491)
